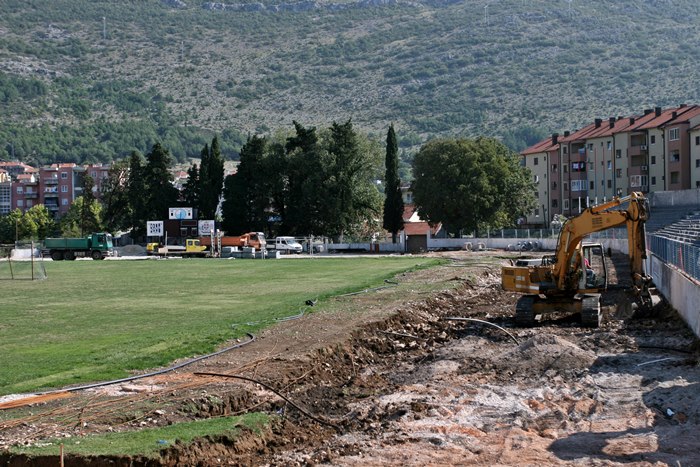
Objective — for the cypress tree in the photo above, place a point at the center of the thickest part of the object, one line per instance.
(393, 202)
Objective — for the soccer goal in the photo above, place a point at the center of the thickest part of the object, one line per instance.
(22, 261)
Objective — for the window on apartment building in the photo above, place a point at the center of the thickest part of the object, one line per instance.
(602, 183)
(609, 145)
(64, 201)
(638, 180)
(64, 175)
(674, 134)
(536, 161)
(578, 185)
(537, 194)
(93, 174)
(652, 139)
(29, 203)
(578, 166)
(536, 178)
(555, 203)
(609, 165)
(566, 168)
(566, 186)
(697, 184)
(20, 203)
(554, 167)
(566, 205)
(602, 163)
(618, 153)
(675, 156)
(675, 177)
(697, 163)
(20, 190)
(64, 188)
(564, 150)
(618, 173)
(653, 160)
(697, 140)
(653, 180)
(537, 212)
(609, 183)
(591, 185)
(554, 185)
(590, 146)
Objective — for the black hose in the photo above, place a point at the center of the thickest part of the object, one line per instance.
(482, 322)
(153, 373)
(269, 388)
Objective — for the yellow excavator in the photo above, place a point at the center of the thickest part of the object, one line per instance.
(573, 279)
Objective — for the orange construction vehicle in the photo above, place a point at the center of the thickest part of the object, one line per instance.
(251, 239)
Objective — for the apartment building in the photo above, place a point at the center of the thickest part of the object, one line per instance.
(56, 186)
(654, 151)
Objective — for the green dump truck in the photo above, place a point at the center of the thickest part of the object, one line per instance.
(96, 246)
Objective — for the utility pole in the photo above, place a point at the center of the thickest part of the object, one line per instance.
(104, 28)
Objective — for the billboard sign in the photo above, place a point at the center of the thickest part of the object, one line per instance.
(179, 213)
(154, 228)
(206, 228)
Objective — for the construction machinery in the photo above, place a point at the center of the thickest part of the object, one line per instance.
(572, 280)
(191, 249)
(96, 246)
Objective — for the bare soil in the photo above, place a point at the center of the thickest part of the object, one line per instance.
(388, 379)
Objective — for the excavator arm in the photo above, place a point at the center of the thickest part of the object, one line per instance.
(596, 219)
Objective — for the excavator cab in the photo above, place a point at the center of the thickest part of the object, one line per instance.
(594, 273)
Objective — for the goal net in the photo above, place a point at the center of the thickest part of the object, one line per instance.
(22, 261)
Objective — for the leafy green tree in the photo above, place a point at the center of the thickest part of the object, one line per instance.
(88, 222)
(41, 217)
(137, 194)
(470, 184)
(393, 201)
(82, 218)
(160, 192)
(115, 197)
(15, 226)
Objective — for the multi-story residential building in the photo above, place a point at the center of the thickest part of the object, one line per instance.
(5, 192)
(650, 152)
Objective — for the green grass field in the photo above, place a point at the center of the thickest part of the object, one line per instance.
(99, 320)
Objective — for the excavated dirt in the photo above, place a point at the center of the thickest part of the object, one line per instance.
(389, 379)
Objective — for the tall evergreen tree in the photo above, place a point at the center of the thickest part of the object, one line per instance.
(211, 180)
(87, 221)
(137, 194)
(190, 192)
(203, 178)
(393, 201)
(115, 197)
(161, 194)
(352, 200)
(246, 196)
(305, 183)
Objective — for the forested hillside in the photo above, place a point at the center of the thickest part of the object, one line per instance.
(89, 80)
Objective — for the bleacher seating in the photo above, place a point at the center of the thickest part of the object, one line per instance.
(686, 230)
(661, 217)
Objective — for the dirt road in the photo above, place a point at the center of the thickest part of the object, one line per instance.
(386, 378)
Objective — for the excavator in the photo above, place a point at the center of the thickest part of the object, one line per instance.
(573, 279)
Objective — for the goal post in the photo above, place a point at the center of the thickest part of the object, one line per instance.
(22, 261)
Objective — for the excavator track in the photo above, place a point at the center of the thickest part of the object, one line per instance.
(591, 317)
(524, 311)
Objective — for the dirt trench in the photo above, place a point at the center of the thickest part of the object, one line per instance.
(398, 383)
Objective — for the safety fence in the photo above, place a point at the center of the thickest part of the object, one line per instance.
(684, 256)
(530, 234)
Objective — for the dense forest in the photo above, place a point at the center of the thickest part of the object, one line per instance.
(91, 80)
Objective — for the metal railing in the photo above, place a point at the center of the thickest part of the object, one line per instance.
(684, 256)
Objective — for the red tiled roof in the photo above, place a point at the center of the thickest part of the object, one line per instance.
(421, 228)
(543, 146)
(408, 210)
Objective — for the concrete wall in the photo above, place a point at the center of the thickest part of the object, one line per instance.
(682, 293)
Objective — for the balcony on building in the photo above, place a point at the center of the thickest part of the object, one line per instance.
(638, 150)
(33, 195)
(51, 192)
(51, 181)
